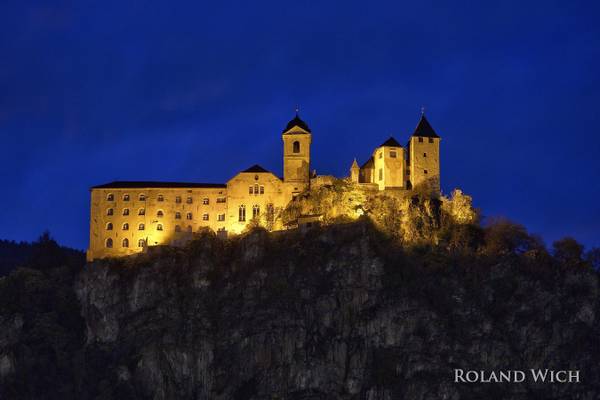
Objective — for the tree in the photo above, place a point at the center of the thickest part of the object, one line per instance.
(568, 251)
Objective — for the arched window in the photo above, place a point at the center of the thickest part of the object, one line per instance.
(188, 216)
(125, 197)
(110, 197)
(141, 243)
(142, 211)
(242, 213)
(161, 197)
(125, 226)
(255, 211)
(159, 213)
(109, 211)
(109, 243)
(177, 215)
(142, 197)
(296, 147)
(159, 227)
(177, 228)
(126, 211)
(125, 242)
(109, 226)
(141, 227)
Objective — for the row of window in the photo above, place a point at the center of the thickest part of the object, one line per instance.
(421, 140)
(160, 197)
(159, 213)
(124, 243)
(255, 211)
(141, 227)
(255, 189)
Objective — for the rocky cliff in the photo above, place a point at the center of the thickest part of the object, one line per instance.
(340, 312)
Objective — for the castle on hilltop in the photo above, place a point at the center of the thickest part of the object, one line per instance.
(127, 217)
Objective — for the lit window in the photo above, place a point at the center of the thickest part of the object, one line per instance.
(159, 227)
(392, 154)
(160, 197)
(205, 201)
(125, 197)
(296, 147)
(188, 216)
(141, 227)
(109, 226)
(126, 211)
(141, 243)
(204, 217)
(177, 215)
(142, 197)
(125, 242)
(255, 211)
(430, 140)
(142, 211)
(242, 213)
(380, 173)
(125, 226)
(109, 243)
(221, 217)
(420, 140)
(110, 197)
(221, 199)
(177, 228)
(178, 199)
(109, 211)
(424, 154)
(262, 190)
(425, 171)
(159, 213)
(189, 200)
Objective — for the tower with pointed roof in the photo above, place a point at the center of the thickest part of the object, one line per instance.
(424, 158)
(297, 138)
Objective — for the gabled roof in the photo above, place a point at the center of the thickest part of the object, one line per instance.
(153, 184)
(255, 168)
(424, 129)
(297, 122)
(368, 164)
(391, 142)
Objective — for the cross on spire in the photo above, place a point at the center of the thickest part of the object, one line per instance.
(297, 109)
(422, 110)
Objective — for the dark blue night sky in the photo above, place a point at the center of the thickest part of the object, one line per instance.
(92, 92)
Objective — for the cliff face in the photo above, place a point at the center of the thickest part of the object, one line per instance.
(336, 313)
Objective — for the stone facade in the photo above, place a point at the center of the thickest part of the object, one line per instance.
(127, 217)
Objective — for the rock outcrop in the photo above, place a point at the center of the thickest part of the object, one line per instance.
(339, 312)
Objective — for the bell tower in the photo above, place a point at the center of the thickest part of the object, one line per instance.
(424, 161)
(296, 153)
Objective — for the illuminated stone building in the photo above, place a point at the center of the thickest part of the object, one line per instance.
(127, 217)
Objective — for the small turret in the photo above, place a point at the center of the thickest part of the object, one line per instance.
(354, 171)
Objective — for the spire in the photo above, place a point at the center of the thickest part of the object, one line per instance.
(297, 122)
(424, 129)
(354, 164)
